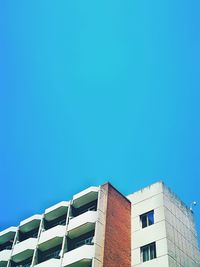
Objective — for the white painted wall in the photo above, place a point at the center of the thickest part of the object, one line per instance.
(181, 231)
(173, 231)
(150, 198)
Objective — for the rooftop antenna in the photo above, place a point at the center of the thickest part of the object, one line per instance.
(194, 203)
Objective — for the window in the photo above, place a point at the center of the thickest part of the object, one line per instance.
(148, 252)
(147, 219)
(87, 241)
(52, 255)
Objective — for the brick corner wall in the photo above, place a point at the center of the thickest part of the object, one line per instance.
(117, 246)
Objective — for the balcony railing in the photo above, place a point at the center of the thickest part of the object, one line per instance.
(82, 224)
(5, 255)
(49, 263)
(52, 237)
(24, 249)
(83, 254)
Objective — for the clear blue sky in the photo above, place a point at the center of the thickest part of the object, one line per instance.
(92, 91)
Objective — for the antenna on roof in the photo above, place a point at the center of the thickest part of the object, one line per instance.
(194, 203)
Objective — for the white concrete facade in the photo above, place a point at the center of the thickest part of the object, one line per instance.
(173, 230)
(65, 235)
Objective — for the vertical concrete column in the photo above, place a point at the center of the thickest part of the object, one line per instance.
(14, 242)
(38, 237)
(65, 236)
(100, 228)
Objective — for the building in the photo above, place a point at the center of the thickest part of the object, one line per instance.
(162, 228)
(100, 227)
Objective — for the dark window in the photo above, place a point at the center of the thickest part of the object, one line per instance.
(58, 221)
(92, 206)
(85, 239)
(52, 253)
(7, 245)
(147, 219)
(148, 252)
(23, 236)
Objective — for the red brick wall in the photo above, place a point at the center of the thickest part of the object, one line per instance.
(117, 246)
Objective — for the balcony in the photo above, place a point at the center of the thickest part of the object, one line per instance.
(56, 211)
(52, 237)
(30, 224)
(88, 195)
(4, 257)
(7, 235)
(49, 263)
(82, 224)
(24, 249)
(79, 257)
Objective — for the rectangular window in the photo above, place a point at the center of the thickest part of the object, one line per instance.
(147, 219)
(148, 252)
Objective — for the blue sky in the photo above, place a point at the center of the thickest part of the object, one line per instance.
(95, 91)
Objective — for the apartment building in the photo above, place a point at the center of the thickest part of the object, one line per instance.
(100, 227)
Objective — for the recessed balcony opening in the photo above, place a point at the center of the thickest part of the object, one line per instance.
(79, 251)
(61, 220)
(91, 206)
(25, 263)
(7, 238)
(52, 253)
(52, 237)
(85, 197)
(85, 239)
(56, 215)
(29, 228)
(7, 245)
(24, 250)
(25, 235)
